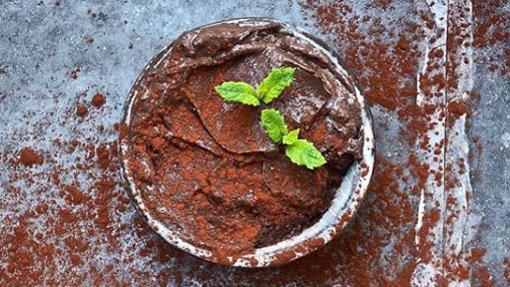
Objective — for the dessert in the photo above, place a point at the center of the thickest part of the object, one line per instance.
(206, 169)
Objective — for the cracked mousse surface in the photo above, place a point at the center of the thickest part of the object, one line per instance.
(206, 168)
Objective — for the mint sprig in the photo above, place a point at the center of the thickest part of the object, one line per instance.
(274, 84)
(291, 137)
(302, 152)
(274, 125)
(271, 87)
(239, 92)
(299, 151)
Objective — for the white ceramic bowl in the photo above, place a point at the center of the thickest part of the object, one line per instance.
(343, 207)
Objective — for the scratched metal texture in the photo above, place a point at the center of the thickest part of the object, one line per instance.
(42, 42)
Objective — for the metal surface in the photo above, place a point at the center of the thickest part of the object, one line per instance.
(43, 42)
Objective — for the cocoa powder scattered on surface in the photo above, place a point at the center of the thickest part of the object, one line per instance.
(98, 100)
(30, 157)
(492, 29)
(81, 110)
(66, 240)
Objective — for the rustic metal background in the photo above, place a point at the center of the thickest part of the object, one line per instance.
(43, 42)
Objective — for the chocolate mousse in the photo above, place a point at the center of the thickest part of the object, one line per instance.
(205, 167)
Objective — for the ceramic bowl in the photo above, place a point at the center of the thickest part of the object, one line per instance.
(344, 205)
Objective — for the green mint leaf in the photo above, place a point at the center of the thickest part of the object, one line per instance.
(274, 83)
(273, 124)
(239, 92)
(302, 152)
(291, 137)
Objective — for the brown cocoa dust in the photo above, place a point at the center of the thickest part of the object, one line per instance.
(81, 221)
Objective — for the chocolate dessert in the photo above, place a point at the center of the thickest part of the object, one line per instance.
(206, 168)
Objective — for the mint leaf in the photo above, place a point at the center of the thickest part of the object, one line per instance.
(273, 124)
(291, 137)
(274, 83)
(239, 92)
(302, 152)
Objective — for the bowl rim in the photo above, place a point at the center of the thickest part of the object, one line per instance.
(345, 203)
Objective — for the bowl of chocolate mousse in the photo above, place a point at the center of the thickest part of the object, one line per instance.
(204, 174)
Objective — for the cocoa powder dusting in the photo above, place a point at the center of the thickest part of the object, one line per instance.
(492, 29)
(98, 100)
(81, 110)
(82, 228)
(30, 157)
